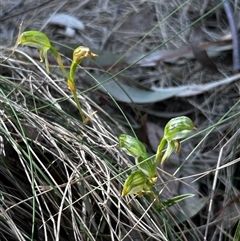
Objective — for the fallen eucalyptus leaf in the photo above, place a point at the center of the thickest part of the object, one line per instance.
(187, 211)
(201, 54)
(68, 22)
(131, 94)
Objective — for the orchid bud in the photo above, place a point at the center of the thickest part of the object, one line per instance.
(82, 52)
(79, 54)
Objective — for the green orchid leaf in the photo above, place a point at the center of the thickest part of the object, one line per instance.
(164, 205)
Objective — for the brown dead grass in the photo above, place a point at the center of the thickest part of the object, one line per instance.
(118, 25)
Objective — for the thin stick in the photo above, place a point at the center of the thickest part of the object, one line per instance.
(16, 44)
(235, 39)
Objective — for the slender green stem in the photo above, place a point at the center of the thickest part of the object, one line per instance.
(72, 86)
(59, 60)
(73, 70)
(159, 153)
(73, 89)
(79, 107)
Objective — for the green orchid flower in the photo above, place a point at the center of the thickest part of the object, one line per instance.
(135, 148)
(79, 54)
(136, 183)
(40, 41)
(176, 129)
(144, 179)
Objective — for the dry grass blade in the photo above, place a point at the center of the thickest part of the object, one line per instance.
(215, 183)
